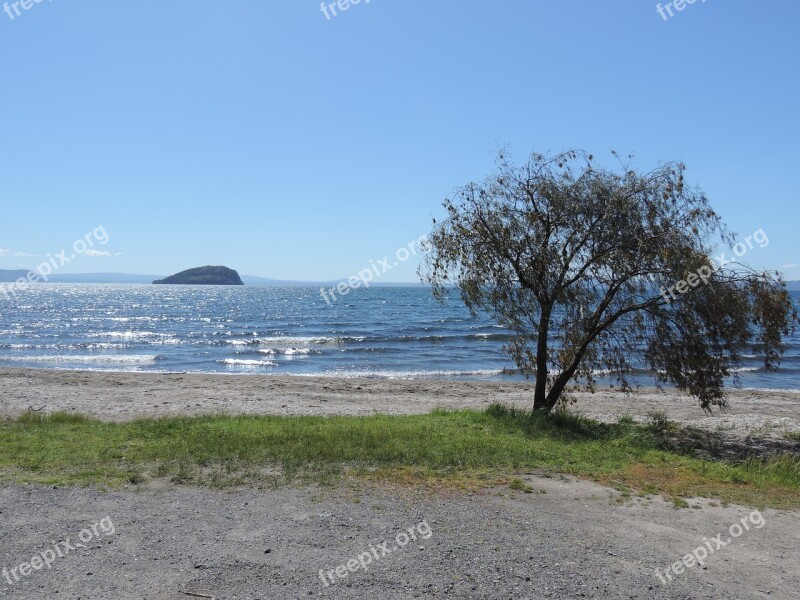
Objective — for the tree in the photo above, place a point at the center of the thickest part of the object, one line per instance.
(591, 267)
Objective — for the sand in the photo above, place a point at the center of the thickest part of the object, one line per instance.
(569, 539)
(127, 396)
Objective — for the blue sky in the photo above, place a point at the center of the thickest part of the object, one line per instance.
(260, 135)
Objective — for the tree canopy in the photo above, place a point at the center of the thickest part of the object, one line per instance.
(591, 266)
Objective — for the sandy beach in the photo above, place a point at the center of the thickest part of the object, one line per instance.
(569, 539)
(127, 396)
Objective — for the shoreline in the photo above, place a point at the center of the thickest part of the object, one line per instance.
(172, 538)
(119, 396)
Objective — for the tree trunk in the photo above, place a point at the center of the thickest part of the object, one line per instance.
(563, 379)
(540, 395)
(556, 391)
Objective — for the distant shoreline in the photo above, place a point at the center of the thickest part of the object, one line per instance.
(12, 276)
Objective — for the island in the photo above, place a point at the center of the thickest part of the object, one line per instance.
(203, 276)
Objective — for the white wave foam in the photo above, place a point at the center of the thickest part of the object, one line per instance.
(287, 351)
(240, 362)
(401, 374)
(293, 351)
(758, 389)
(307, 341)
(97, 346)
(63, 347)
(132, 335)
(169, 341)
(134, 359)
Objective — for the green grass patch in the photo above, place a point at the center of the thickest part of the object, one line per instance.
(469, 447)
(520, 486)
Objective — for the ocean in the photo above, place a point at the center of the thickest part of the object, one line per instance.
(391, 332)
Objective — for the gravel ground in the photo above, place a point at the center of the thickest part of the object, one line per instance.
(568, 539)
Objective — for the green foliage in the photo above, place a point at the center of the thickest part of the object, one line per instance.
(626, 419)
(657, 421)
(577, 260)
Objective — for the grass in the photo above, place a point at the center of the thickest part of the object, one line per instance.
(520, 486)
(626, 419)
(465, 447)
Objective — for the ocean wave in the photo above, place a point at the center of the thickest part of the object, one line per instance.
(288, 351)
(360, 339)
(411, 375)
(391, 334)
(241, 362)
(240, 342)
(30, 347)
(310, 341)
(97, 346)
(132, 335)
(443, 337)
(134, 359)
(761, 389)
(64, 347)
(295, 341)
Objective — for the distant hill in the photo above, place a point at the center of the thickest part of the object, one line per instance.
(203, 276)
(101, 278)
(266, 281)
(11, 276)
(120, 278)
